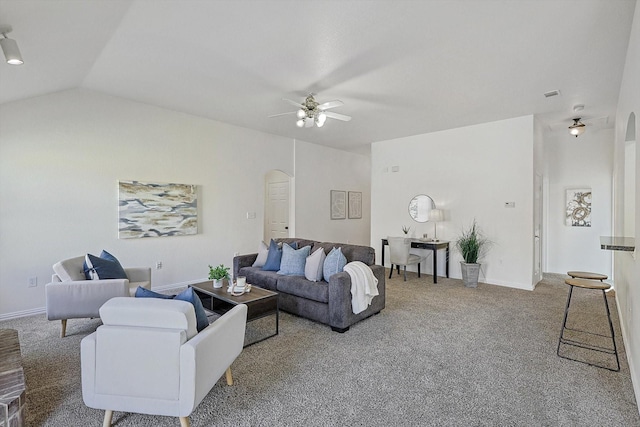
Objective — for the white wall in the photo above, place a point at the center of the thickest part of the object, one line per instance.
(470, 172)
(319, 170)
(583, 162)
(627, 266)
(61, 156)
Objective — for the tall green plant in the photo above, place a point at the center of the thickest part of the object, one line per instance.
(472, 244)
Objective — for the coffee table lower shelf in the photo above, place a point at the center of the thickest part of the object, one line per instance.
(260, 303)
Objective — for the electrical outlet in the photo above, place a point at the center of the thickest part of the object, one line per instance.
(33, 281)
(159, 265)
(509, 204)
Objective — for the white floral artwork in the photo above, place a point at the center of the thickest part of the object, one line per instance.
(355, 204)
(156, 210)
(578, 213)
(338, 204)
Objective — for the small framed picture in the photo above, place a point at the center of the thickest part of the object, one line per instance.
(355, 204)
(338, 204)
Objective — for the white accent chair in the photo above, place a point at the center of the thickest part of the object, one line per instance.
(174, 367)
(71, 296)
(399, 248)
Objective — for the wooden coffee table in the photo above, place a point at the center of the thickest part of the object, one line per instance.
(260, 302)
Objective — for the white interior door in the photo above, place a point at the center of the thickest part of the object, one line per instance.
(537, 234)
(277, 212)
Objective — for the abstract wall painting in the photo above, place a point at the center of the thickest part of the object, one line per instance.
(338, 204)
(578, 212)
(355, 204)
(156, 210)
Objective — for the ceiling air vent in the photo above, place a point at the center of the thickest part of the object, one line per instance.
(551, 93)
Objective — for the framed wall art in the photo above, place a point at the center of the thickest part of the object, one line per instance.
(338, 204)
(355, 204)
(156, 210)
(578, 212)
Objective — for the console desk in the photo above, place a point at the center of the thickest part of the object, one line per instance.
(433, 246)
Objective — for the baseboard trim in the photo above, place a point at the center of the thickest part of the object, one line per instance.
(23, 313)
(635, 380)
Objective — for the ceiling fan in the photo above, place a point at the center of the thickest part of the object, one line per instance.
(311, 112)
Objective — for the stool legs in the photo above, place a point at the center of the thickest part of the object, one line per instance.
(563, 340)
(615, 348)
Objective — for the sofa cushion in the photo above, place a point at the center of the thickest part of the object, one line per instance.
(258, 277)
(314, 265)
(301, 287)
(97, 268)
(334, 263)
(293, 260)
(261, 259)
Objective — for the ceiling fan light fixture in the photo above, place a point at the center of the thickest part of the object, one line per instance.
(10, 47)
(300, 123)
(322, 117)
(577, 128)
(301, 114)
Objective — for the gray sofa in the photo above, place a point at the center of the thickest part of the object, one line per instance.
(328, 303)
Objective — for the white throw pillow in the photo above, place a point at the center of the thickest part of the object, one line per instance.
(263, 251)
(314, 265)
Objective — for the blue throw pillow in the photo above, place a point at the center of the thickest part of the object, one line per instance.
(333, 263)
(201, 316)
(273, 258)
(293, 261)
(96, 268)
(146, 293)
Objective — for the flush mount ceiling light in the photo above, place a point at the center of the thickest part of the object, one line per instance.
(10, 47)
(577, 128)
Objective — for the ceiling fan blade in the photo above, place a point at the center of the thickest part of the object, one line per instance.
(282, 114)
(330, 104)
(308, 122)
(294, 103)
(337, 116)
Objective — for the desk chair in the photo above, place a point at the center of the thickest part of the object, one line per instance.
(399, 248)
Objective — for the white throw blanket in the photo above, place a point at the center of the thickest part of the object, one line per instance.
(364, 285)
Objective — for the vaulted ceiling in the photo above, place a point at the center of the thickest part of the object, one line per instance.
(400, 67)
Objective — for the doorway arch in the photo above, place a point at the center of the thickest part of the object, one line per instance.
(277, 205)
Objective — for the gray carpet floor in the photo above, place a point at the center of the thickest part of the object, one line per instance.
(437, 355)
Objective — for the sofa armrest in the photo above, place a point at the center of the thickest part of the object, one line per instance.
(82, 298)
(138, 274)
(340, 310)
(241, 261)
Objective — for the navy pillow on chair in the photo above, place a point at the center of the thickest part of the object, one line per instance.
(201, 316)
(96, 268)
(146, 293)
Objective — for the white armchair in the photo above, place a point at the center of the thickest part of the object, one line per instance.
(71, 296)
(174, 368)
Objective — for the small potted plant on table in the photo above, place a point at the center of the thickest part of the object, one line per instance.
(218, 274)
(472, 246)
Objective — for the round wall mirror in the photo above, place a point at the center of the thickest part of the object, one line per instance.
(420, 206)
